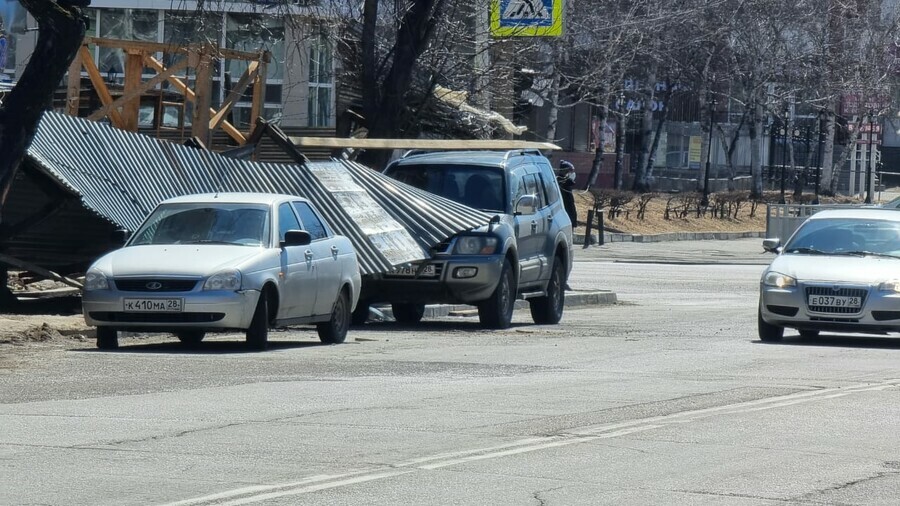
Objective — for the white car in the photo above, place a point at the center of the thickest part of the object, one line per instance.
(840, 271)
(230, 261)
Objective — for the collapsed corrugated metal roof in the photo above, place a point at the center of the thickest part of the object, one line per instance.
(121, 176)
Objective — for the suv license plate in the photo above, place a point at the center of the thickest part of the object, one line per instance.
(412, 270)
(832, 301)
(153, 305)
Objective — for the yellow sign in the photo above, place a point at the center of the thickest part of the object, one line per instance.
(526, 18)
(694, 152)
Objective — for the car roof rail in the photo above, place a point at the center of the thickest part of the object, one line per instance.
(524, 151)
(412, 152)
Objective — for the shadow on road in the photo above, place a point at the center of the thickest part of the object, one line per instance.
(428, 326)
(840, 341)
(213, 347)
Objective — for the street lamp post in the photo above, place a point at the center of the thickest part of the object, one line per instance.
(784, 139)
(869, 158)
(705, 200)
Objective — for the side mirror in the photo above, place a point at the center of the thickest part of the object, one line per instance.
(296, 238)
(527, 204)
(120, 236)
(772, 245)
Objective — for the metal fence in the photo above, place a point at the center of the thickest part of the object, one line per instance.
(783, 219)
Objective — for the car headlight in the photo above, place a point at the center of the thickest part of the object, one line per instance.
(225, 280)
(96, 280)
(890, 286)
(779, 280)
(475, 245)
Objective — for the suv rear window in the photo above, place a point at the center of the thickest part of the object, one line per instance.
(475, 186)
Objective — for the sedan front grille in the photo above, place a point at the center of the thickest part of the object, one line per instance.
(155, 285)
(840, 292)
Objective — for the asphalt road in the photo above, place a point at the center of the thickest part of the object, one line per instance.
(665, 398)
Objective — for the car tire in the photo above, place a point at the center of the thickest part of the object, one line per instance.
(334, 331)
(258, 332)
(549, 309)
(768, 333)
(496, 312)
(107, 338)
(809, 334)
(190, 337)
(360, 315)
(408, 313)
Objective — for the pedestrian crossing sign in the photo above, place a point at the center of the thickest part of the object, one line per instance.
(526, 18)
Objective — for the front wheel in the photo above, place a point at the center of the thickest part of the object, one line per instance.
(334, 331)
(361, 314)
(107, 338)
(408, 313)
(258, 333)
(549, 309)
(496, 312)
(768, 333)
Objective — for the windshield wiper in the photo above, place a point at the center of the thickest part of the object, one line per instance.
(862, 253)
(807, 251)
(209, 241)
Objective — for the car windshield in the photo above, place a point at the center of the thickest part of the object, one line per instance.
(846, 236)
(206, 223)
(474, 186)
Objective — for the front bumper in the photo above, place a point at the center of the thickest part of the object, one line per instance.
(788, 307)
(445, 287)
(209, 310)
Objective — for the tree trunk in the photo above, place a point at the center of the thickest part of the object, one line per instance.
(705, 135)
(620, 152)
(641, 183)
(553, 113)
(825, 183)
(756, 126)
(597, 164)
(61, 29)
(838, 166)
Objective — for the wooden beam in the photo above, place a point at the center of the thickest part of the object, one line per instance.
(134, 67)
(202, 64)
(157, 47)
(259, 93)
(234, 95)
(100, 86)
(73, 91)
(28, 266)
(189, 95)
(434, 144)
(151, 83)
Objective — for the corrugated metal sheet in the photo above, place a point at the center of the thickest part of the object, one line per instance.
(122, 176)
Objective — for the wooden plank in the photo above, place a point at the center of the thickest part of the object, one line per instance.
(15, 262)
(202, 97)
(227, 127)
(234, 95)
(100, 86)
(436, 144)
(151, 83)
(134, 67)
(259, 94)
(158, 47)
(73, 90)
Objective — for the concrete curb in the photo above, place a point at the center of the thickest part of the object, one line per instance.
(573, 299)
(672, 236)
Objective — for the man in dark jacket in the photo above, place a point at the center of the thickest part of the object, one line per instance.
(565, 176)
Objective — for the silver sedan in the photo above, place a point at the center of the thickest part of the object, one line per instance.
(840, 271)
(240, 261)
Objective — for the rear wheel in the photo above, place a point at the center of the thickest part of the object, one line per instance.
(496, 312)
(408, 313)
(107, 338)
(190, 337)
(334, 331)
(809, 334)
(549, 309)
(258, 333)
(767, 332)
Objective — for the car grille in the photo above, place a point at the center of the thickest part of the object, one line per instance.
(165, 285)
(119, 316)
(841, 292)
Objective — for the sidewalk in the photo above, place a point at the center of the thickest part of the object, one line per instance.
(746, 251)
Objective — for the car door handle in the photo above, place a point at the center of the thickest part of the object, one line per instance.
(533, 225)
(309, 254)
(334, 250)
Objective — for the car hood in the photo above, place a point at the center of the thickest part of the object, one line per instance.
(828, 268)
(174, 259)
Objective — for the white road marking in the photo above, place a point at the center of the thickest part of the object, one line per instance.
(257, 493)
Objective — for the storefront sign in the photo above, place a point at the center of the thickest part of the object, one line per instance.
(694, 152)
(526, 18)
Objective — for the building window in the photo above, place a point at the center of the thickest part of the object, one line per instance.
(123, 24)
(253, 33)
(321, 82)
